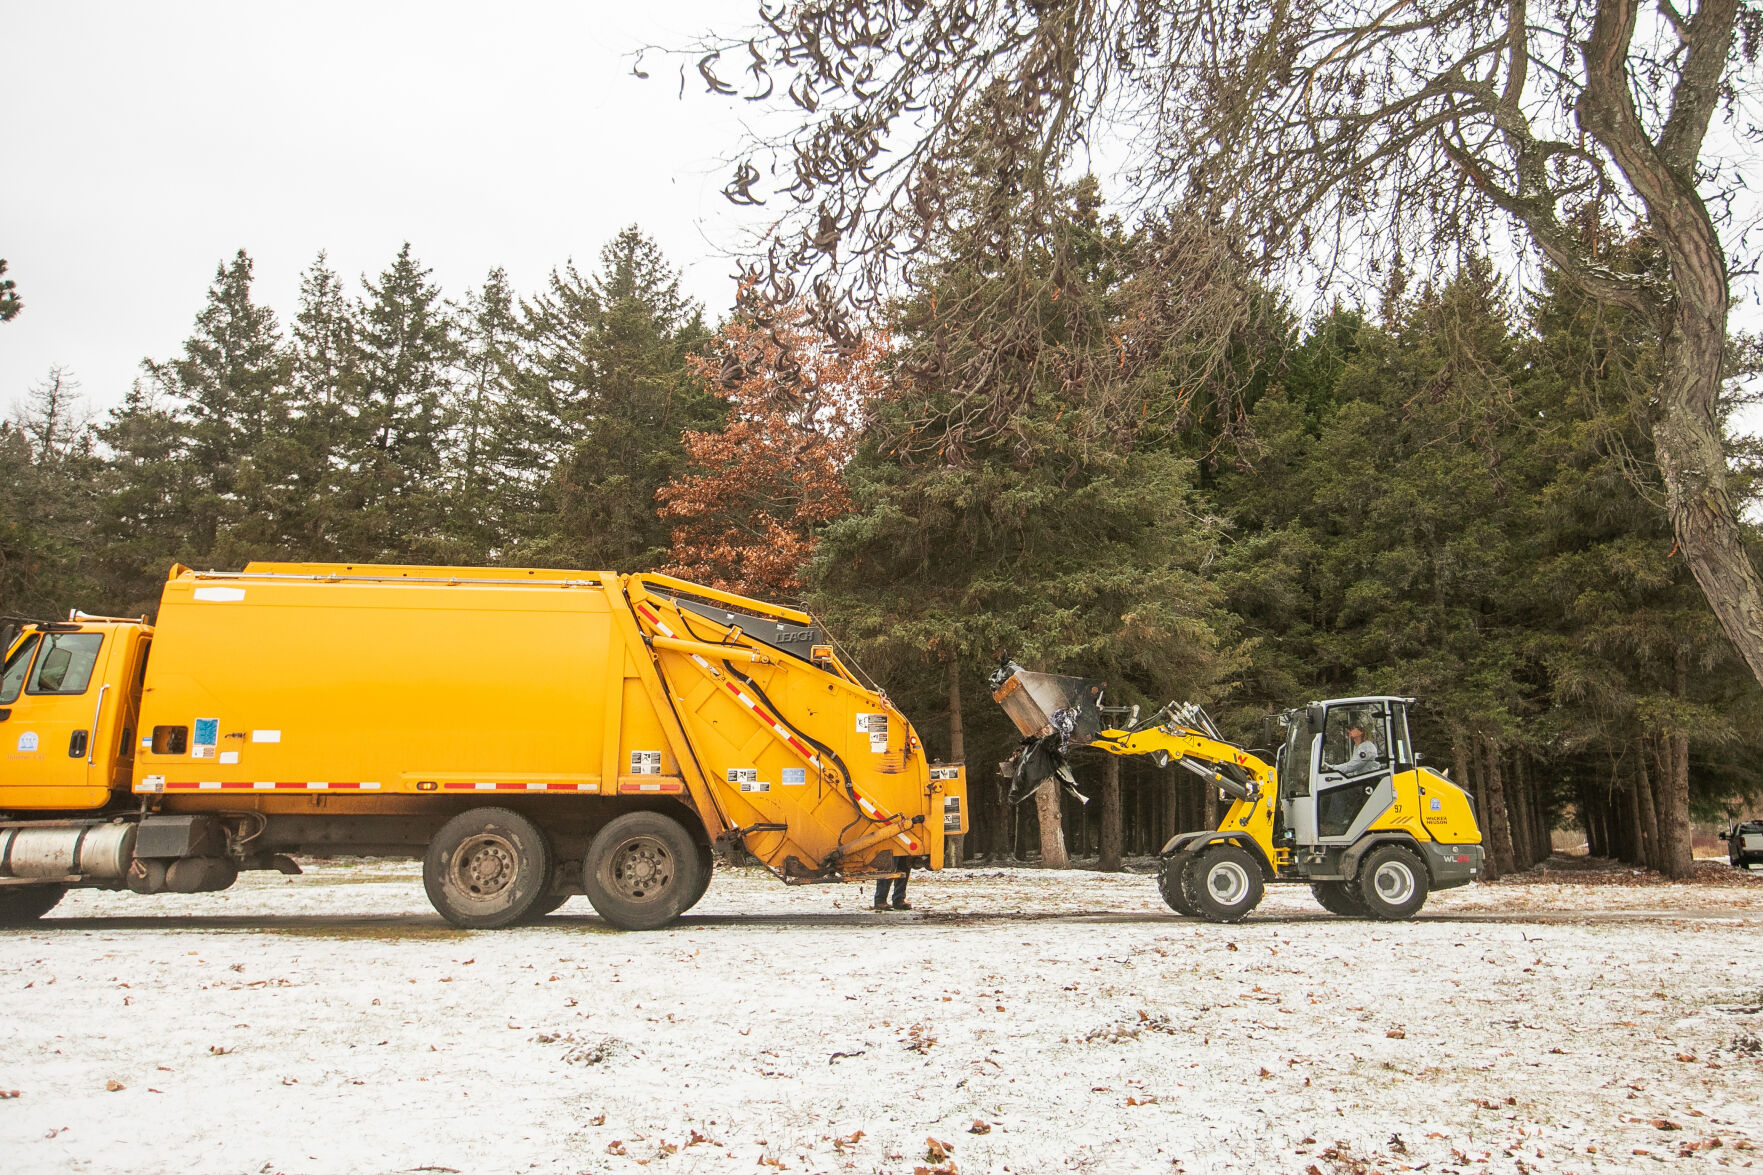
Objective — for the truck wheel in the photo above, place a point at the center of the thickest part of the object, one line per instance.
(706, 867)
(1224, 883)
(549, 904)
(1337, 897)
(1169, 884)
(486, 868)
(1392, 883)
(24, 904)
(642, 871)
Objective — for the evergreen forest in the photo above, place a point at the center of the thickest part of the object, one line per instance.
(1447, 493)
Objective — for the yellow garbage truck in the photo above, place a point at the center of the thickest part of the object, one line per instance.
(531, 734)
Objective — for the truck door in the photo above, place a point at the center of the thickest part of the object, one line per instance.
(55, 689)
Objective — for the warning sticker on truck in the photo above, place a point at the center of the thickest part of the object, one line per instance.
(756, 785)
(743, 774)
(645, 762)
(204, 735)
(952, 814)
(795, 776)
(937, 773)
(876, 727)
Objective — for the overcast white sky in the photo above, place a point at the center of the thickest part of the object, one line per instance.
(142, 143)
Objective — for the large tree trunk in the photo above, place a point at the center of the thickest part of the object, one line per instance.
(1047, 806)
(1691, 313)
(953, 847)
(1109, 858)
(1520, 812)
(1499, 822)
(1674, 832)
(1648, 812)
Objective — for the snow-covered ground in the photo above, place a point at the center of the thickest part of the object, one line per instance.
(1031, 1021)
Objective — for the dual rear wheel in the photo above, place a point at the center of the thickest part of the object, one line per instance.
(492, 867)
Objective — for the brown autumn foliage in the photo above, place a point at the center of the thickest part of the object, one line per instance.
(756, 494)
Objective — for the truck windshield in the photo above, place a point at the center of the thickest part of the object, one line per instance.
(12, 680)
(66, 664)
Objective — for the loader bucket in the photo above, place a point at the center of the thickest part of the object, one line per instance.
(1045, 703)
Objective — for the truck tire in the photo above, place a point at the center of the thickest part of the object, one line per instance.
(1338, 897)
(549, 904)
(1224, 883)
(21, 905)
(486, 868)
(642, 871)
(1169, 884)
(1393, 883)
(706, 867)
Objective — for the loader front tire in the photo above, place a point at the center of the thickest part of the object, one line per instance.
(1224, 883)
(1169, 883)
(487, 868)
(21, 905)
(1392, 883)
(642, 871)
(1337, 897)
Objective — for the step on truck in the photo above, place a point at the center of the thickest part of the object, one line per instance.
(530, 734)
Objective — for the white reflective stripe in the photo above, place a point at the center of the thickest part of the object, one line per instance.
(370, 787)
(264, 785)
(484, 786)
(209, 785)
(587, 787)
(649, 786)
(316, 785)
(535, 787)
(702, 664)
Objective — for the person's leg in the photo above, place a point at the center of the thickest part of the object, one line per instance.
(881, 893)
(900, 892)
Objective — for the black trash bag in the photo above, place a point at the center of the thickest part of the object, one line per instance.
(1036, 761)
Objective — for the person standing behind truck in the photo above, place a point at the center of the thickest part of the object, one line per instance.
(881, 892)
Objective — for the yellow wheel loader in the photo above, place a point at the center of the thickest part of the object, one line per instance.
(1345, 807)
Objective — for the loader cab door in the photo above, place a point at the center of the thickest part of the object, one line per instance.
(1341, 759)
(52, 685)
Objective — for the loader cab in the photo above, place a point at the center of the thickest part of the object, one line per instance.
(1337, 765)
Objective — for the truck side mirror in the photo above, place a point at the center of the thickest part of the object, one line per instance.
(1315, 714)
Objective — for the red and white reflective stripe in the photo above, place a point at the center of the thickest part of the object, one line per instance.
(265, 785)
(881, 815)
(665, 787)
(661, 627)
(777, 727)
(468, 785)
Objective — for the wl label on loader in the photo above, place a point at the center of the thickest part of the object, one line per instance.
(876, 727)
(645, 762)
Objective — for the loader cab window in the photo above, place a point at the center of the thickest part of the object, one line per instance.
(1356, 740)
(12, 679)
(65, 666)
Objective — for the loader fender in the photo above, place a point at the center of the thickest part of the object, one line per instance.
(1186, 844)
(1357, 851)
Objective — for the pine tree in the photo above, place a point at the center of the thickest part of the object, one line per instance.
(141, 517)
(392, 481)
(611, 353)
(48, 459)
(489, 368)
(326, 428)
(10, 303)
(231, 385)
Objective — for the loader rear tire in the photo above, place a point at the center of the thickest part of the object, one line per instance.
(1392, 883)
(1224, 883)
(486, 868)
(20, 905)
(1169, 884)
(1338, 897)
(642, 871)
